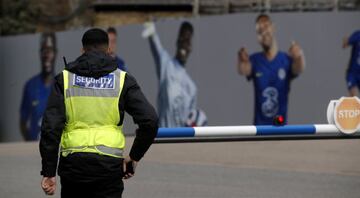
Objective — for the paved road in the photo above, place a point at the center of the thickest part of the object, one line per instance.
(287, 169)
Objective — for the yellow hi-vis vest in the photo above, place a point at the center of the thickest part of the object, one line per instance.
(92, 114)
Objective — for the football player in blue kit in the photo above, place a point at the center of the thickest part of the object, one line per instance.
(37, 90)
(271, 72)
(353, 70)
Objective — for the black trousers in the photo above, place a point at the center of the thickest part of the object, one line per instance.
(110, 187)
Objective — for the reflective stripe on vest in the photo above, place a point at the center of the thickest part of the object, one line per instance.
(92, 114)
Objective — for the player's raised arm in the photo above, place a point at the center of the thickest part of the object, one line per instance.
(298, 58)
(244, 64)
(156, 47)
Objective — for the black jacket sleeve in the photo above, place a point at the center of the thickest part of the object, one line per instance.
(51, 128)
(143, 114)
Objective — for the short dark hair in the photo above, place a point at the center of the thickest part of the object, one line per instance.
(95, 39)
(111, 30)
(186, 26)
(261, 16)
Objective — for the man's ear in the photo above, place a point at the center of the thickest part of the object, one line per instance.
(82, 50)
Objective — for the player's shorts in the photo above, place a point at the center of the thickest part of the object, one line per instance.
(352, 80)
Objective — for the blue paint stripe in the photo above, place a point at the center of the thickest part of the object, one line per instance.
(176, 132)
(285, 130)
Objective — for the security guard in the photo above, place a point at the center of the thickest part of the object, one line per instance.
(84, 116)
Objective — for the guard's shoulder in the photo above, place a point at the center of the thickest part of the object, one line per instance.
(129, 77)
(130, 80)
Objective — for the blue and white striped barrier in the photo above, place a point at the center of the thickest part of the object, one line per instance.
(261, 130)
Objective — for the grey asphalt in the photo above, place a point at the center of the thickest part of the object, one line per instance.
(286, 169)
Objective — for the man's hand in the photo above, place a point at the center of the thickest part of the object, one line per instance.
(244, 65)
(295, 50)
(243, 56)
(297, 55)
(129, 167)
(48, 184)
(149, 30)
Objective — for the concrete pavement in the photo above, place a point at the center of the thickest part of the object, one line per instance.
(283, 169)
